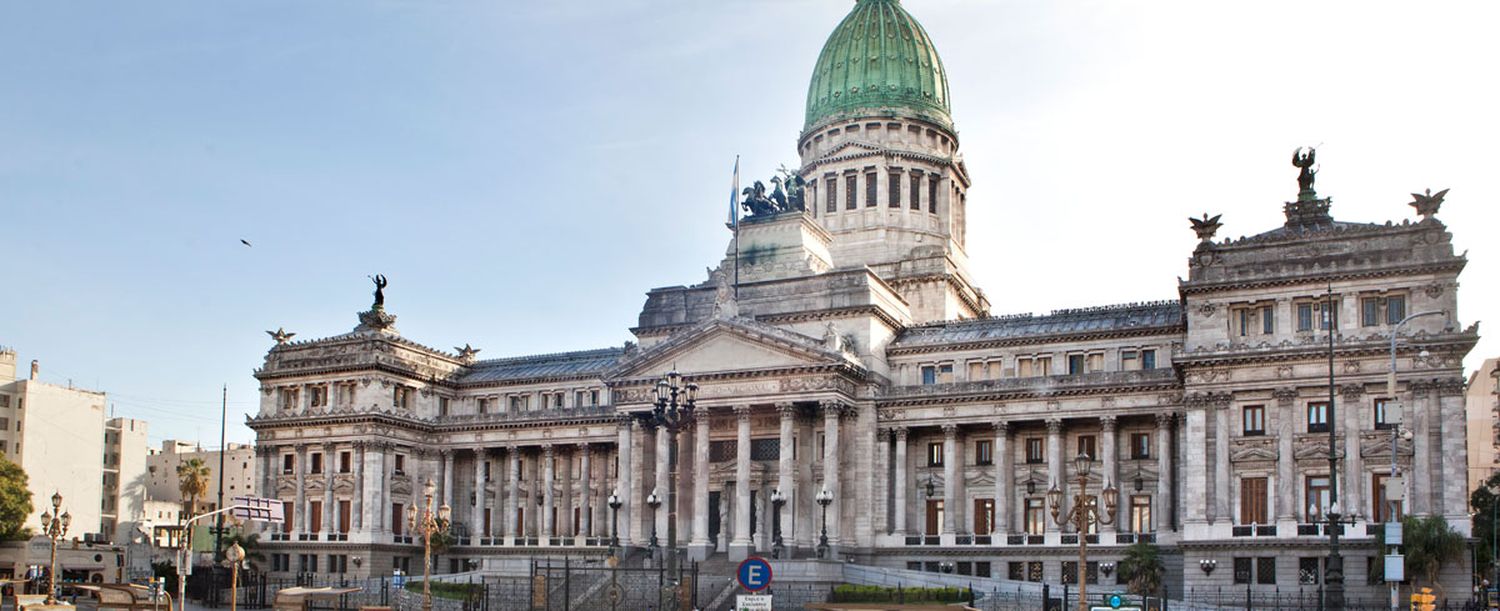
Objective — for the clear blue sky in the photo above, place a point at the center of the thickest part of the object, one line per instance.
(523, 172)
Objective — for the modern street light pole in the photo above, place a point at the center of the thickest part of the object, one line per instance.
(1085, 511)
(428, 523)
(673, 411)
(55, 527)
(1394, 418)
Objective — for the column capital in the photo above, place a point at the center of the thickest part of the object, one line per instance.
(1352, 392)
(1054, 426)
(834, 409)
(1285, 395)
(1451, 387)
(583, 446)
(1002, 427)
(901, 433)
(1108, 423)
(1164, 419)
(1222, 400)
(787, 410)
(742, 413)
(883, 434)
(624, 421)
(950, 431)
(547, 450)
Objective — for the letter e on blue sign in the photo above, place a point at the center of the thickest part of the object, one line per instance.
(754, 574)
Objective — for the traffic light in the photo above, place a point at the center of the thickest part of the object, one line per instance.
(1422, 600)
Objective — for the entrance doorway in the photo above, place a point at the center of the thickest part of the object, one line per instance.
(713, 517)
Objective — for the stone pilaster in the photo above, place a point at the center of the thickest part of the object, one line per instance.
(1219, 405)
(513, 493)
(549, 500)
(1164, 500)
(786, 476)
(1286, 462)
(950, 478)
(625, 475)
(832, 413)
(1422, 474)
(447, 476)
(359, 487)
(1108, 447)
(301, 509)
(700, 546)
(1454, 453)
(1351, 491)
(903, 481)
(1055, 474)
(585, 490)
(1195, 462)
(476, 515)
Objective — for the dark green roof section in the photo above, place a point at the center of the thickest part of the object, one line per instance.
(878, 62)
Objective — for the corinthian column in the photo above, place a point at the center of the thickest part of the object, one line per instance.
(1005, 485)
(585, 492)
(513, 492)
(832, 412)
(902, 483)
(698, 547)
(1286, 463)
(739, 546)
(1220, 408)
(786, 477)
(624, 475)
(476, 520)
(1352, 487)
(950, 477)
(1164, 498)
(549, 477)
(1107, 447)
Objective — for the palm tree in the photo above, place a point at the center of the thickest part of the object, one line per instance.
(1142, 569)
(192, 476)
(1429, 542)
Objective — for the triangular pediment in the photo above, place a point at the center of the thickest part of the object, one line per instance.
(851, 147)
(728, 344)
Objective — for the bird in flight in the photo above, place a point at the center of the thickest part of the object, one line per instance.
(242, 241)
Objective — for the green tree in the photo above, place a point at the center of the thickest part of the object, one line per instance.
(192, 481)
(15, 502)
(1428, 543)
(1483, 501)
(250, 542)
(1142, 569)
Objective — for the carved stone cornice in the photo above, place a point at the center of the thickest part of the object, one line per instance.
(1284, 396)
(1352, 392)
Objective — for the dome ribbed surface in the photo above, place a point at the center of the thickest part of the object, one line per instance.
(879, 61)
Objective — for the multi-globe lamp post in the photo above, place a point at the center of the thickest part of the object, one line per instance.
(824, 499)
(676, 401)
(1085, 512)
(778, 548)
(428, 522)
(55, 526)
(614, 523)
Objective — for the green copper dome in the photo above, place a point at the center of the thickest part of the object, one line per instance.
(879, 61)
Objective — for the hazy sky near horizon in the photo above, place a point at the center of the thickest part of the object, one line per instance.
(524, 172)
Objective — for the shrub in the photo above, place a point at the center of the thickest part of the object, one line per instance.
(849, 593)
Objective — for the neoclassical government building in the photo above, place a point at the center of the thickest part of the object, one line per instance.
(856, 354)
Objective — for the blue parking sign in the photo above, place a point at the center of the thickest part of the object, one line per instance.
(754, 574)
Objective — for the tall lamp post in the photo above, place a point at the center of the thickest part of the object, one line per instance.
(654, 502)
(55, 527)
(1085, 511)
(824, 498)
(428, 522)
(778, 549)
(673, 411)
(234, 556)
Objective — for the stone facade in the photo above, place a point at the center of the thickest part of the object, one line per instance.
(855, 355)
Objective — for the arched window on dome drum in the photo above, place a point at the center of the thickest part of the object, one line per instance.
(833, 196)
(895, 191)
(932, 191)
(851, 192)
(871, 188)
(916, 191)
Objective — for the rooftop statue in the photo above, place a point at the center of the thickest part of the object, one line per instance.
(1206, 227)
(1427, 205)
(789, 194)
(757, 202)
(380, 283)
(1305, 178)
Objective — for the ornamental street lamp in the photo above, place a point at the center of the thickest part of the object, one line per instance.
(1085, 512)
(614, 524)
(55, 527)
(824, 498)
(234, 556)
(673, 411)
(428, 523)
(654, 502)
(777, 501)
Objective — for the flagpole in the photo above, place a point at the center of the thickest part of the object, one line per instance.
(734, 213)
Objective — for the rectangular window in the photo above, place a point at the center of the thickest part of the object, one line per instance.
(1148, 359)
(1035, 517)
(916, 191)
(314, 516)
(1395, 309)
(976, 371)
(984, 516)
(1140, 513)
(1369, 311)
(935, 454)
(1096, 362)
(1304, 317)
(1242, 322)
(934, 516)
(288, 464)
(1129, 360)
(1140, 446)
(1309, 571)
(317, 463)
(932, 191)
(945, 373)
(344, 517)
(1035, 450)
(288, 511)
(1075, 364)
(400, 464)
(1317, 417)
(870, 189)
(317, 395)
(442, 406)
(984, 452)
(832, 193)
(346, 462)
(1265, 570)
(1024, 367)
(1253, 509)
(1088, 445)
(851, 192)
(929, 375)
(398, 519)
(482, 405)
(557, 400)
(1384, 412)
(401, 397)
(1243, 568)
(1317, 496)
(721, 450)
(765, 449)
(1267, 320)
(895, 190)
(1254, 420)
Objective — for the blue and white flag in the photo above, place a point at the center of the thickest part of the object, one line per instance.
(734, 196)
